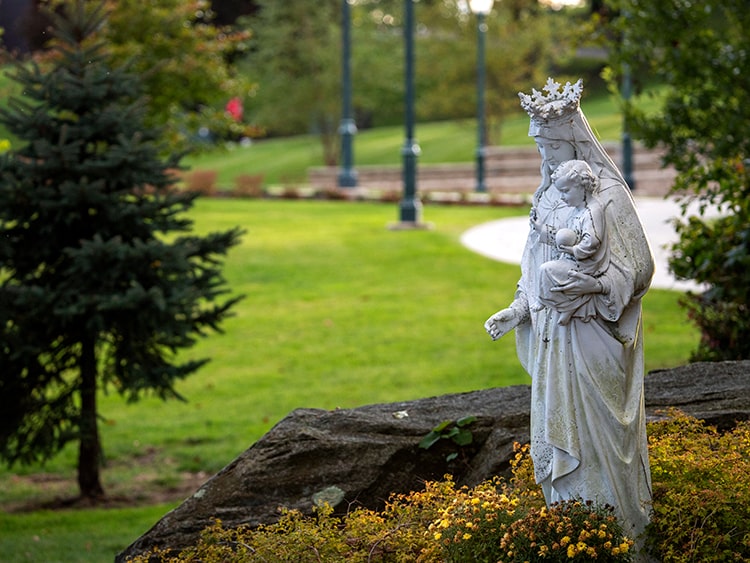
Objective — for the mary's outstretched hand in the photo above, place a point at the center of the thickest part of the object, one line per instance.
(502, 322)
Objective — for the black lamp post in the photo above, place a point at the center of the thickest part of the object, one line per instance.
(410, 207)
(481, 8)
(347, 127)
(627, 142)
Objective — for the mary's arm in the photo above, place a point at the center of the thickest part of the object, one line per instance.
(509, 318)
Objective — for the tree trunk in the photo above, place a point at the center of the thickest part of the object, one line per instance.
(89, 452)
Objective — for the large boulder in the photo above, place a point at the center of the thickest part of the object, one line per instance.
(717, 392)
(361, 456)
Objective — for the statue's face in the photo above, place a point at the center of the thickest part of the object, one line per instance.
(554, 152)
(571, 191)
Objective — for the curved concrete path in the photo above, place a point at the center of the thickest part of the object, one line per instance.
(503, 240)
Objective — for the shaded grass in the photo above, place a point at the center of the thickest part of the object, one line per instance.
(73, 536)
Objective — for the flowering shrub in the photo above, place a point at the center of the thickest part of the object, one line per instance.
(568, 531)
(701, 491)
(470, 526)
(494, 522)
(701, 513)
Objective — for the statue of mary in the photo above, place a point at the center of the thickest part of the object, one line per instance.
(588, 428)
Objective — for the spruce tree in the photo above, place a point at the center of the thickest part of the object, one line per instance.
(101, 280)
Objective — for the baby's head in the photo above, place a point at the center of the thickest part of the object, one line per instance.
(578, 173)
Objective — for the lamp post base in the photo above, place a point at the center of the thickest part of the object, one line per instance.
(347, 179)
(410, 226)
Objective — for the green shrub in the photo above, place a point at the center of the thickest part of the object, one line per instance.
(701, 513)
(701, 491)
(715, 253)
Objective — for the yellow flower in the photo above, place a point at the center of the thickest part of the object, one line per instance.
(565, 541)
(437, 536)
(475, 501)
(466, 537)
(444, 523)
(624, 547)
(602, 534)
(571, 551)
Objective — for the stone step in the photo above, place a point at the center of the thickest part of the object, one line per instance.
(508, 170)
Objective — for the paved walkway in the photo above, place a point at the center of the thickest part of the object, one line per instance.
(503, 240)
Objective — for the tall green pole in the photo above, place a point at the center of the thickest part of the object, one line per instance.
(348, 127)
(481, 129)
(627, 143)
(410, 207)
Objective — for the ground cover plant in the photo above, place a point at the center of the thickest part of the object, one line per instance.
(701, 513)
(340, 311)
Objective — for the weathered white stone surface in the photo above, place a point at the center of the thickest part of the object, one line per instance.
(580, 336)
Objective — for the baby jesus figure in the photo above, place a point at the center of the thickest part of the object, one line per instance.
(582, 243)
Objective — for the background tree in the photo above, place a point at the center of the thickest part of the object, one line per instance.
(700, 55)
(296, 51)
(183, 50)
(185, 62)
(101, 283)
(519, 54)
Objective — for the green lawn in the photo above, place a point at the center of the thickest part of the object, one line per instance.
(339, 312)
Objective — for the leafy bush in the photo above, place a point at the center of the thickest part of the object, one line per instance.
(715, 253)
(701, 513)
(701, 491)
(703, 125)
